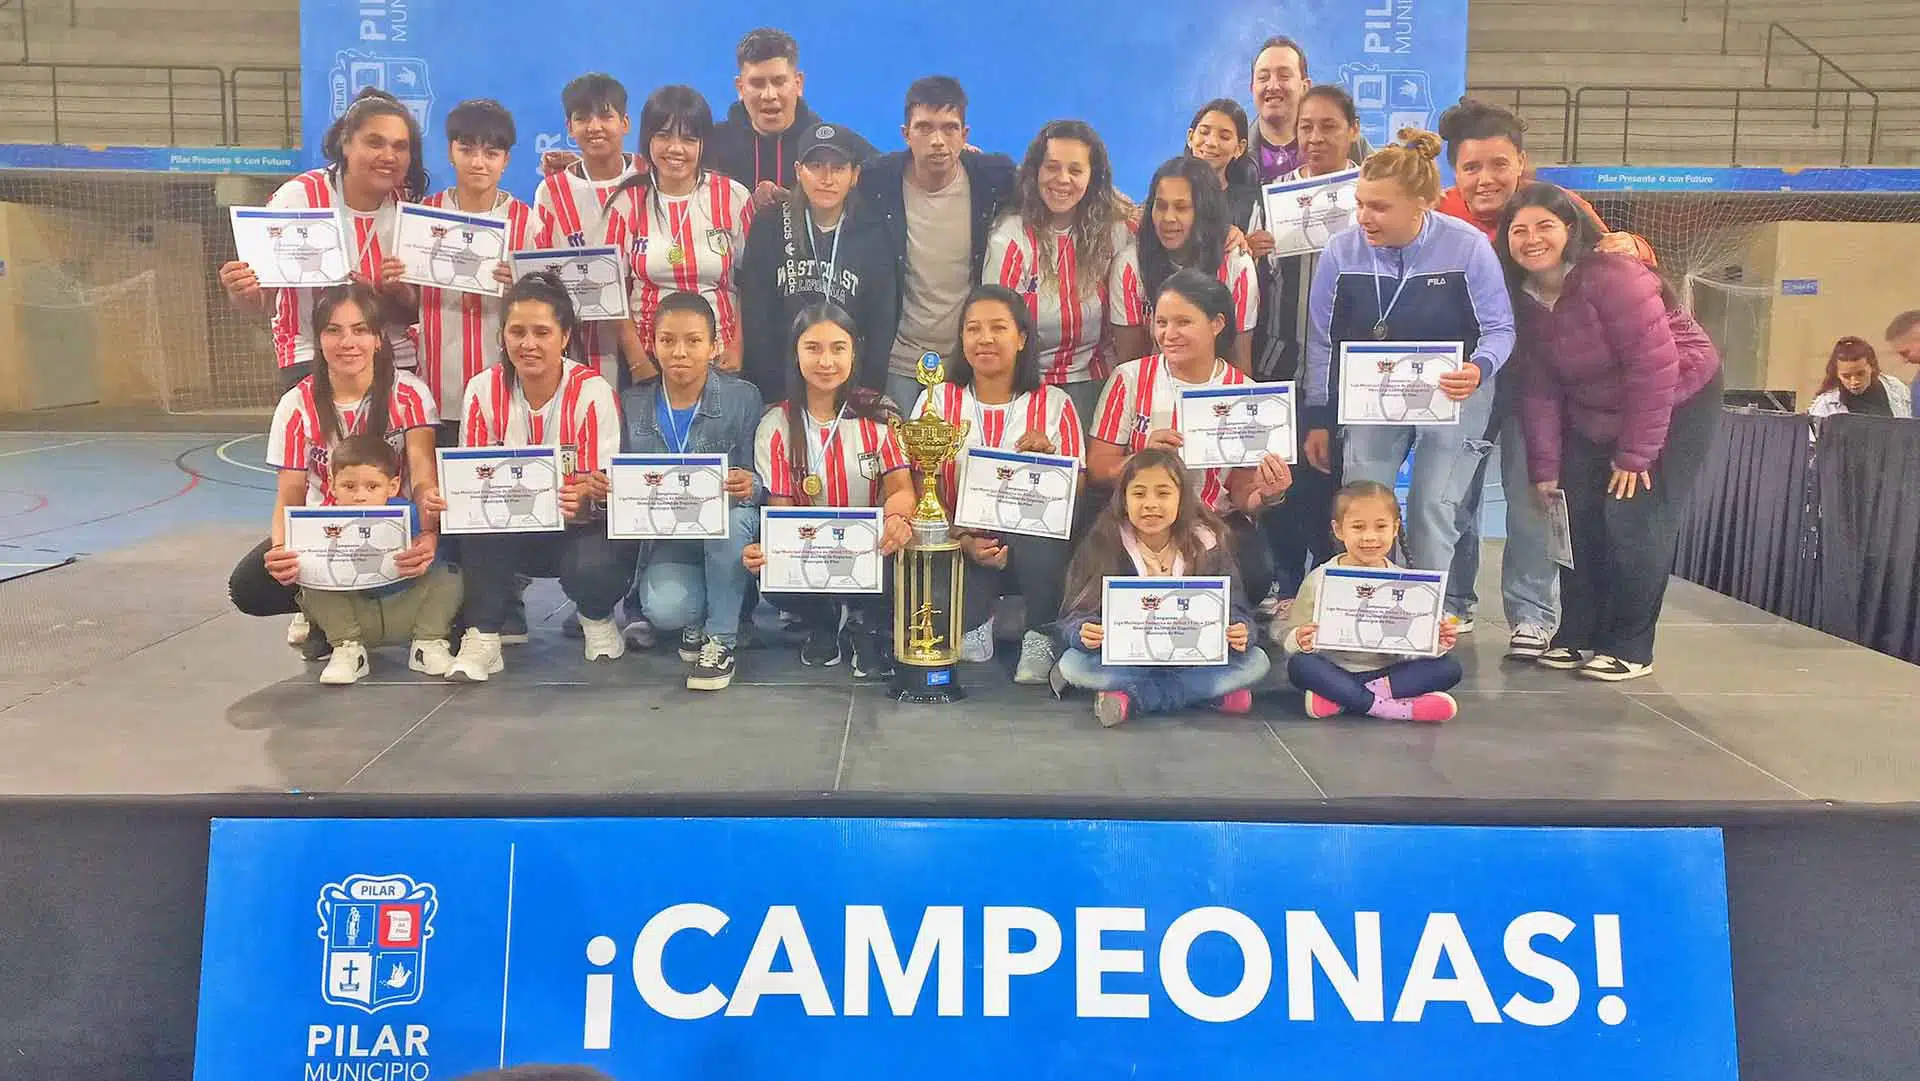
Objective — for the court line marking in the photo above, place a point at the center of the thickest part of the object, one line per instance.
(51, 446)
(1723, 748)
(220, 452)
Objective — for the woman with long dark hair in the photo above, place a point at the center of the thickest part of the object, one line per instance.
(1185, 225)
(1854, 384)
(1218, 137)
(1620, 400)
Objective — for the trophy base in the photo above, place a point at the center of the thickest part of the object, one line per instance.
(932, 535)
(926, 684)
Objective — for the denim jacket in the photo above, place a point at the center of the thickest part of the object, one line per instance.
(724, 422)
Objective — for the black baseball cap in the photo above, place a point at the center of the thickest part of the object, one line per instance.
(839, 141)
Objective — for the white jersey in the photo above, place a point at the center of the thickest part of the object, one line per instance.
(853, 456)
(370, 233)
(570, 211)
(582, 418)
(295, 441)
(1139, 400)
(1069, 311)
(999, 427)
(1132, 307)
(686, 244)
(460, 332)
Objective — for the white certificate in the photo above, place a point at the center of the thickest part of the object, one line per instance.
(299, 249)
(1380, 611)
(1398, 382)
(821, 549)
(1235, 426)
(667, 496)
(595, 278)
(1559, 528)
(1164, 620)
(501, 489)
(446, 249)
(1304, 215)
(1003, 491)
(345, 548)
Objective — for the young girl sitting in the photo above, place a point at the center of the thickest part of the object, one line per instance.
(1366, 520)
(1157, 527)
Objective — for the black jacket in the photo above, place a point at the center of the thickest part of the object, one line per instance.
(750, 157)
(990, 178)
(782, 273)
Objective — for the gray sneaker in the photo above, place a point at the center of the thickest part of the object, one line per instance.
(976, 646)
(1036, 659)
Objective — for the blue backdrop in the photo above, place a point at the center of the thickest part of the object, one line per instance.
(802, 949)
(1135, 69)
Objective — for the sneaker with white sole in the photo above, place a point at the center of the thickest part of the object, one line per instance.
(1269, 606)
(604, 641)
(430, 656)
(1562, 659)
(479, 658)
(347, 666)
(1529, 642)
(640, 635)
(1614, 670)
(865, 655)
(712, 668)
(821, 649)
(297, 629)
(1036, 659)
(692, 641)
(1461, 624)
(976, 646)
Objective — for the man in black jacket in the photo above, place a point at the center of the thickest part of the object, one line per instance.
(937, 200)
(759, 141)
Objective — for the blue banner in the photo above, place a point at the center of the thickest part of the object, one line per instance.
(1690, 178)
(1136, 71)
(248, 161)
(803, 949)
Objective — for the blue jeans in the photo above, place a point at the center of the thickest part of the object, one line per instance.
(903, 391)
(1529, 578)
(1445, 461)
(688, 583)
(1153, 689)
(1410, 678)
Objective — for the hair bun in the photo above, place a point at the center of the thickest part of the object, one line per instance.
(1424, 143)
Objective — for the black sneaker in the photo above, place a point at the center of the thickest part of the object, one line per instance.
(869, 660)
(821, 649)
(712, 667)
(692, 639)
(316, 647)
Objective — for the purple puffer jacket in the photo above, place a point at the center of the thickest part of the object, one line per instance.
(1610, 361)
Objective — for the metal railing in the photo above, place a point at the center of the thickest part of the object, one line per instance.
(1514, 96)
(277, 86)
(194, 105)
(1824, 62)
(1739, 100)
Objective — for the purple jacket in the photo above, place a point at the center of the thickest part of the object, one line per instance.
(1610, 361)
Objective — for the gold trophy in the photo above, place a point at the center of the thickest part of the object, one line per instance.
(927, 609)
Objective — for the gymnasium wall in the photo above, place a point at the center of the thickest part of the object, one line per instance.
(1834, 279)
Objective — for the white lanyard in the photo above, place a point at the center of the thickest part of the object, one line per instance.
(980, 418)
(817, 447)
(833, 260)
(1166, 380)
(546, 413)
(1386, 309)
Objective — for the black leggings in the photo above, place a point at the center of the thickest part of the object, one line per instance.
(1036, 570)
(254, 592)
(594, 571)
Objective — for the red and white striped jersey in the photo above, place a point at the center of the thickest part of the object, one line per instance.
(368, 237)
(999, 427)
(1069, 312)
(295, 442)
(1139, 399)
(686, 244)
(460, 332)
(581, 418)
(570, 211)
(1132, 307)
(858, 456)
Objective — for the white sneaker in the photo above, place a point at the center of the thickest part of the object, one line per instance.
(641, 635)
(347, 666)
(1462, 624)
(431, 656)
(298, 629)
(1036, 659)
(479, 658)
(976, 646)
(1269, 606)
(604, 640)
(1529, 642)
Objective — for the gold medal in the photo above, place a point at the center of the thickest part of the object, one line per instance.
(812, 486)
(676, 255)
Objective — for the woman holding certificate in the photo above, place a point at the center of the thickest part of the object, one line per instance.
(350, 388)
(828, 446)
(531, 514)
(994, 387)
(1187, 224)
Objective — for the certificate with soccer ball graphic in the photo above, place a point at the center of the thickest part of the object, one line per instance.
(667, 497)
(501, 489)
(348, 548)
(1225, 427)
(1380, 611)
(821, 550)
(298, 249)
(1164, 620)
(1305, 215)
(1002, 491)
(446, 249)
(595, 278)
(1398, 382)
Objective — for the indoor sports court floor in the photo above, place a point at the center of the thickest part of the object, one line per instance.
(123, 670)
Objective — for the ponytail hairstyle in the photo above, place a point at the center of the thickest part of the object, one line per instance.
(542, 287)
(1409, 163)
(1473, 119)
(1100, 209)
(370, 103)
(1196, 530)
(1207, 242)
(1206, 292)
(380, 394)
(674, 108)
(1848, 348)
(861, 403)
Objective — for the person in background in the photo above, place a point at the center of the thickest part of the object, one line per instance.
(938, 200)
(1366, 518)
(418, 610)
(758, 143)
(1855, 384)
(1218, 136)
(695, 587)
(1620, 398)
(1058, 244)
(994, 386)
(1156, 525)
(1278, 84)
(1408, 274)
(821, 243)
(1186, 226)
(1903, 335)
(1487, 147)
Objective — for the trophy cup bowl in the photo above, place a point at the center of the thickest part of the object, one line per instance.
(929, 573)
